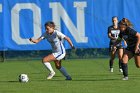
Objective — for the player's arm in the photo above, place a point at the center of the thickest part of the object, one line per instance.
(36, 40)
(62, 36)
(109, 35)
(69, 41)
(124, 42)
(137, 49)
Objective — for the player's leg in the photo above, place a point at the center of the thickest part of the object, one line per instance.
(137, 60)
(62, 69)
(120, 54)
(112, 57)
(46, 60)
(126, 57)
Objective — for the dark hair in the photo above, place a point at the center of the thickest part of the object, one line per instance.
(50, 24)
(127, 22)
(114, 17)
(123, 23)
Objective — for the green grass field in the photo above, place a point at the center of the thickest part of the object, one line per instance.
(89, 76)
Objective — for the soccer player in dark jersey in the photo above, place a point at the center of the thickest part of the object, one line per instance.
(113, 32)
(132, 38)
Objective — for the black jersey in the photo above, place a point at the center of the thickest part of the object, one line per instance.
(114, 33)
(129, 35)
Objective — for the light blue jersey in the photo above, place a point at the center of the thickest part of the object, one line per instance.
(55, 40)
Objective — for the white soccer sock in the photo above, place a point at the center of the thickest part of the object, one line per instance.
(63, 71)
(48, 66)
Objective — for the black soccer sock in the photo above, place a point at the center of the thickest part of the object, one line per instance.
(120, 64)
(125, 69)
(111, 63)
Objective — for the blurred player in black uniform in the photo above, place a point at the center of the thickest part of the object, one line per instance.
(133, 49)
(113, 32)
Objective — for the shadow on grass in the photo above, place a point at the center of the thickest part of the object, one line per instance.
(85, 79)
(9, 81)
(95, 80)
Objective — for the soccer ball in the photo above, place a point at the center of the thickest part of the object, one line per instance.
(23, 78)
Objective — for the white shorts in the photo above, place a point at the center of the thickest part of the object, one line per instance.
(59, 56)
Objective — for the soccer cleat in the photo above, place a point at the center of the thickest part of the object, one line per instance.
(68, 78)
(50, 76)
(125, 78)
(111, 69)
(120, 70)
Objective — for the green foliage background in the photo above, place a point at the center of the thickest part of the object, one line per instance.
(71, 54)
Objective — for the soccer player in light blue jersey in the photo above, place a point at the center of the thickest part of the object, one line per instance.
(54, 37)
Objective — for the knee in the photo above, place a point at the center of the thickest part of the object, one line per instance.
(120, 57)
(138, 66)
(44, 60)
(58, 66)
(125, 59)
(112, 57)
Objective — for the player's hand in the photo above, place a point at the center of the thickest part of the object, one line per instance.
(30, 39)
(113, 48)
(125, 46)
(73, 47)
(137, 50)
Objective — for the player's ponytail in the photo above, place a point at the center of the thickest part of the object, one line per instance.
(127, 22)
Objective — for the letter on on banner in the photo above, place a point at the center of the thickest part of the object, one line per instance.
(0, 7)
(15, 15)
(59, 12)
